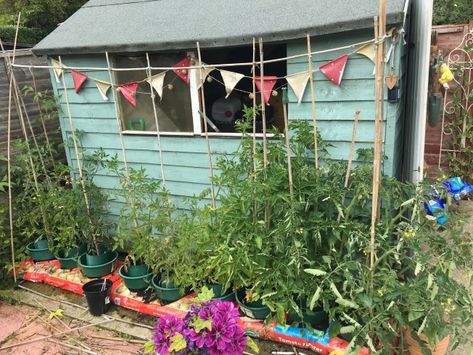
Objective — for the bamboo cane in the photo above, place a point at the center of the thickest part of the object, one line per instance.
(288, 146)
(46, 337)
(155, 114)
(312, 102)
(263, 108)
(253, 71)
(41, 117)
(206, 133)
(10, 205)
(380, 30)
(76, 152)
(350, 157)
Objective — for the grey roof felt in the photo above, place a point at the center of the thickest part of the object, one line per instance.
(153, 25)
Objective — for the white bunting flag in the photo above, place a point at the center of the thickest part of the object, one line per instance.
(103, 88)
(230, 80)
(157, 82)
(298, 83)
(205, 71)
(368, 50)
(57, 69)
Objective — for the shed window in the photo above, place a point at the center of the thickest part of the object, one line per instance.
(224, 112)
(174, 111)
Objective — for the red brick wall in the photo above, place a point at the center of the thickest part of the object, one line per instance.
(444, 39)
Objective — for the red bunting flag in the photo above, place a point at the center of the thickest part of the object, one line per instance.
(334, 69)
(268, 85)
(79, 79)
(183, 73)
(129, 92)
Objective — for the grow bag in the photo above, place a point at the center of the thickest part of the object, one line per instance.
(50, 272)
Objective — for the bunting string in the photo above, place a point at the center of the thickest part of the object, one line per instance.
(333, 70)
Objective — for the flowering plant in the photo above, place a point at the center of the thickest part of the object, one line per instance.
(209, 328)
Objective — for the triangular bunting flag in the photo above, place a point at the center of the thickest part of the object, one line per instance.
(202, 74)
(183, 73)
(157, 82)
(103, 88)
(79, 79)
(368, 50)
(268, 84)
(57, 69)
(129, 91)
(334, 69)
(230, 79)
(298, 83)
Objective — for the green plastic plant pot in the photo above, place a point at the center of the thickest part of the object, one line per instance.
(166, 294)
(104, 257)
(137, 278)
(318, 318)
(255, 310)
(39, 254)
(227, 297)
(217, 290)
(41, 244)
(93, 271)
(68, 258)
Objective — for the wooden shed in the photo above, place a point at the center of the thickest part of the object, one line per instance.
(169, 29)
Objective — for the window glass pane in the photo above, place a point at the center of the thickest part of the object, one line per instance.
(224, 112)
(174, 110)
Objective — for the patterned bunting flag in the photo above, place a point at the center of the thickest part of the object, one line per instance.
(202, 74)
(334, 69)
(268, 85)
(57, 69)
(129, 92)
(230, 80)
(368, 50)
(298, 83)
(79, 79)
(157, 82)
(103, 88)
(183, 73)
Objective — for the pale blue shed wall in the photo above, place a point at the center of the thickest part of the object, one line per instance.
(185, 158)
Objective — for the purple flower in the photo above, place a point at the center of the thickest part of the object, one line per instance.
(161, 343)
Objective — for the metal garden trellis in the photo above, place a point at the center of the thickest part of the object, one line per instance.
(461, 59)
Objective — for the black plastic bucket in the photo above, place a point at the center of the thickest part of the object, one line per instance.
(98, 300)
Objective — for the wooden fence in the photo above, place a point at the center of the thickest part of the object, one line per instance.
(24, 77)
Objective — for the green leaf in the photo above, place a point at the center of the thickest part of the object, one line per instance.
(429, 281)
(315, 298)
(149, 347)
(347, 303)
(205, 294)
(280, 314)
(435, 290)
(253, 346)
(418, 268)
(178, 343)
(414, 314)
(315, 272)
(200, 324)
(259, 242)
(335, 290)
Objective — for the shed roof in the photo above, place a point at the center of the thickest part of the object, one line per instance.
(152, 25)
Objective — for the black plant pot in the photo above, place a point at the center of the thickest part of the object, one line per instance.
(98, 296)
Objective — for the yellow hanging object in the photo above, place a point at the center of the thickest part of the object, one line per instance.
(57, 313)
(446, 77)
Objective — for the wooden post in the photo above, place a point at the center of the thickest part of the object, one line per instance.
(209, 150)
(312, 101)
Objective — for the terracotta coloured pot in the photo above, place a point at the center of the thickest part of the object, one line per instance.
(415, 349)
